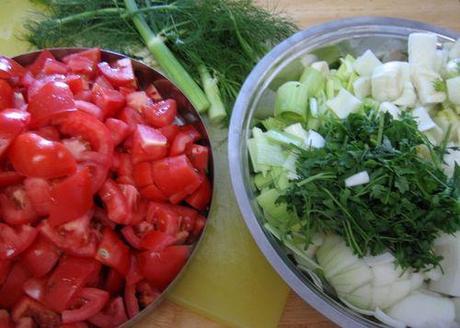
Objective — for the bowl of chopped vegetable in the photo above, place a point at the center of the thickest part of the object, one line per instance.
(344, 153)
(106, 182)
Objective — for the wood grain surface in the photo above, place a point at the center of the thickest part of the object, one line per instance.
(445, 13)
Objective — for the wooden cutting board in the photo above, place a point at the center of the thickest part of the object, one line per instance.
(445, 13)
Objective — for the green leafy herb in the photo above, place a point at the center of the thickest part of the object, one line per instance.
(439, 85)
(407, 203)
(217, 41)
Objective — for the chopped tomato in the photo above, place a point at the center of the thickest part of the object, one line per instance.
(89, 108)
(41, 257)
(118, 129)
(88, 303)
(168, 221)
(152, 192)
(199, 225)
(175, 175)
(81, 64)
(35, 288)
(71, 198)
(114, 281)
(132, 306)
(131, 117)
(160, 114)
(130, 236)
(157, 240)
(49, 132)
(11, 290)
(34, 156)
(74, 325)
(10, 69)
(202, 196)
(36, 67)
(5, 266)
(12, 123)
(38, 190)
(113, 315)
(153, 93)
(137, 100)
(170, 132)
(14, 241)
(121, 74)
(146, 294)
(76, 83)
(148, 144)
(6, 95)
(160, 268)
(185, 137)
(29, 308)
(16, 206)
(5, 320)
(109, 100)
(52, 66)
(116, 204)
(92, 54)
(8, 178)
(26, 322)
(124, 169)
(198, 155)
(51, 99)
(113, 252)
(142, 174)
(134, 274)
(71, 274)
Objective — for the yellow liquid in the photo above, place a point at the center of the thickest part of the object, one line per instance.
(228, 280)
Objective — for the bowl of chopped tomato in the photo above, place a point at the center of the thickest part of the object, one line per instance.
(105, 185)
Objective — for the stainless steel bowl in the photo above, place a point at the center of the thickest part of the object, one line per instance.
(146, 75)
(387, 37)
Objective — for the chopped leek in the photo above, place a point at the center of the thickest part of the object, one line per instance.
(292, 101)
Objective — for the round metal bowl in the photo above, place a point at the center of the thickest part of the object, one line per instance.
(387, 37)
(187, 115)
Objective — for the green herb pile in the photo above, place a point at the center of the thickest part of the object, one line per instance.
(216, 42)
(405, 206)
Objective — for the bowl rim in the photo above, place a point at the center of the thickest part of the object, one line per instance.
(237, 126)
(139, 65)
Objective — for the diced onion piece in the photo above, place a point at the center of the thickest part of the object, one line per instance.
(455, 50)
(388, 80)
(424, 80)
(355, 308)
(357, 179)
(408, 97)
(314, 140)
(386, 257)
(456, 301)
(424, 310)
(366, 63)
(423, 119)
(362, 87)
(422, 49)
(351, 278)
(321, 66)
(453, 90)
(326, 251)
(386, 319)
(344, 104)
(388, 107)
(385, 273)
(361, 297)
(397, 291)
(451, 158)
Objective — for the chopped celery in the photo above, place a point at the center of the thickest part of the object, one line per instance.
(297, 130)
(253, 151)
(267, 200)
(282, 183)
(283, 138)
(273, 124)
(292, 102)
(314, 109)
(346, 68)
(262, 181)
(314, 81)
(351, 80)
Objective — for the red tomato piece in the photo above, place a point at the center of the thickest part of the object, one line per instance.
(148, 144)
(168, 221)
(175, 174)
(11, 290)
(51, 99)
(113, 252)
(29, 308)
(201, 198)
(41, 257)
(170, 132)
(137, 100)
(38, 191)
(198, 155)
(87, 304)
(157, 240)
(131, 237)
(109, 100)
(121, 74)
(118, 129)
(83, 62)
(118, 209)
(16, 206)
(71, 198)
(75, 237)
(34, 156)
(142, 174)
(112, 316)
(76, 83)
(35, 288)
(85, 95)
(71, 274)
(132, 306)
(5, 320)
(89, 108)
(153, 93)
(146, 294)
(25, 323)
(152, 192)
(37, 66)
(51, 66)
(12, 123)
(124, 170)
(160, 268)
(10, 69)
(14, 241)
(74, 325)
(185, 137)
(131, 117)
(49, 132)
(6, 95)
(134, 273)
(5, 266)
(92, 54)
(113, 282)
(160, 114)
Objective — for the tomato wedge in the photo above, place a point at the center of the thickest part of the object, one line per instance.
(113, 252)
(10, 69)
(198, 155)
(6, 95)
(160, 268)
(14, 241)
(38, 190)
(88, 303)
(160, 114)
(118, 129)
(16, 206)
(41, 257)
(202, 196)
(29, 308)
(11, 290)
(12, 123)
(34, 156)
(71, 198)
(112, 316)
(118, 209)
(71, 274)
(51, 99)
(35, 288)
(185, 137)
(148, 144)
(8, 178)
(121, 74)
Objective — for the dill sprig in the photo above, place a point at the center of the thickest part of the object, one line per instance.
(226, 37)
(407, 203)
(439, 85)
